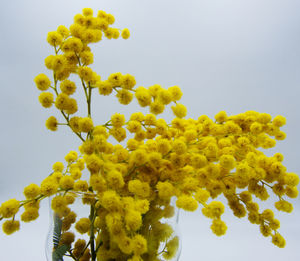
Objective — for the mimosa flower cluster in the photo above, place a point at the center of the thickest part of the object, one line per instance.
(130, 184)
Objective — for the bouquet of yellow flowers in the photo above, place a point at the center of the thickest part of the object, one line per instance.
(129, 172)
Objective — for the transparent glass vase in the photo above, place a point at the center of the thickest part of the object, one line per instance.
(159, 226)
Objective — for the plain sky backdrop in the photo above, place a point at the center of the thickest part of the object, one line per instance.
(232, 55)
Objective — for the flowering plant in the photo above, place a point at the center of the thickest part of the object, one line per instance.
(128, 188)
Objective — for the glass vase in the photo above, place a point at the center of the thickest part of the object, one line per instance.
(103, 241)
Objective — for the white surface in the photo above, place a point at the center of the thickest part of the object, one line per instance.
(225, 55)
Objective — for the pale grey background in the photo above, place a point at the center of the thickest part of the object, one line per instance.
(226, 55)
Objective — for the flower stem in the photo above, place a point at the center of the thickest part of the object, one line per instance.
(92, 236)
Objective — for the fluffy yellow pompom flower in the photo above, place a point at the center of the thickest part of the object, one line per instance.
(214, 209)
(165, 96)
(110, 18)
(221, 116)
(121, 153)
(133, 220)
(280, 135)
(154, 90)
(93, 163)
(105, 87)
(49, 62)
(67, 87)
(67, 238)
(115, 179)
(279, 121)
(72, 45)
(58, 166)
(118, 133)
(62, 101)
(155, 159)
(284, 206)
(58, 63)
(143, 96)
(86, 124)
(66, 182)
(125, 245)
(79, 245)
(138, 157)
(165, 190)
(46, 99)
(124, 96)
(187, 203)
(171, 248)
(115, 79)
(30, 214)
(10, 226)
(227, 162)
(291, 179)
(52, 123)
(118, 120)
(156, 107)
(137, 116)
(86, 57)
(218, 227)
(75, 173)
(86, 73)
(54, 38)
(191, 135)
(139, 188)
(71, 156)
(264, 118)
(49, 186)
(265, 230)
(81, 185)
(278, 240)
(128, 81)
(134, 126)
(42, 82)
(198, 161)
(111, 200)
(87, 11)
(142, 206)
(179, 146)
(63, 31)
(83, 225)
(125, 33)
(139, 245)
(150, 119)
(175, 92)
(179, 110)
(59, 204)
(163, 146)
(256, 128)
(202, 195)
(9, 208)
(114, 224)
(291, 192)
(274, 224)
(31, 191)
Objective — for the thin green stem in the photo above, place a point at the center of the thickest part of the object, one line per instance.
(99, 245)
(71, 255)
(92, 236)
(264, 183)
(82, 252)
(30, 200)
(67, 119)
(89, 100)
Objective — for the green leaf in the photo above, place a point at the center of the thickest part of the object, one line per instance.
(57, 230)
(58, 253)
